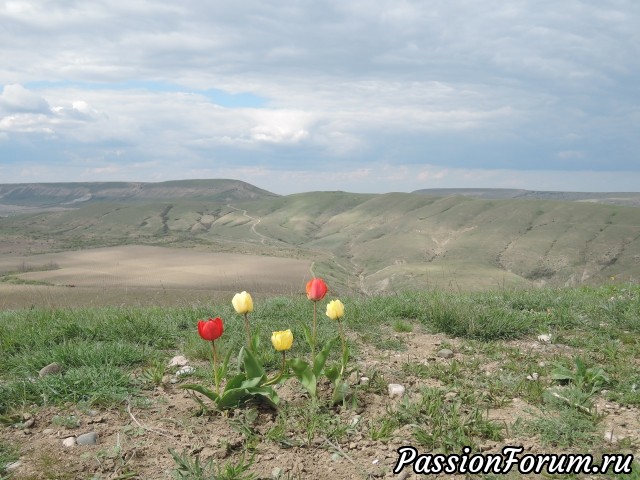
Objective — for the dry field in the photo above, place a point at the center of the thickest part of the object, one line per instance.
(142, 275)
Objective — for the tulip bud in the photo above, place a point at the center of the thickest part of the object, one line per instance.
(335, 309)
(242, 302)
(210, 329)
(282, 340)
(316, 289)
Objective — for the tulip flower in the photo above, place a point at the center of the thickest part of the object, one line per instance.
(243, 303)
(282, 340)
(211, 330)
(335, 310)
(316, 289)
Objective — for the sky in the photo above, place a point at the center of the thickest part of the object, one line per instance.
(300, 95)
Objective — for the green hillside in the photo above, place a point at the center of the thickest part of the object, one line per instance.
(370, 243)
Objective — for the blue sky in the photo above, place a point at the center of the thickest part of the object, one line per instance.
(365, 96)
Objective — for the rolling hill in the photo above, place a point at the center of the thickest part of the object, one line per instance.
(362, 242)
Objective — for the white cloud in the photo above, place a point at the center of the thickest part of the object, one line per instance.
(467, 86)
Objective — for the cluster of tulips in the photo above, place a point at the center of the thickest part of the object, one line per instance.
(252, 382)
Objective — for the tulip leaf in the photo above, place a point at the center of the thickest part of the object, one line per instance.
(305, 374)
(265, 394)
(210, 394)
(235, 382)
(232, 398)
(252, 366)
(321, 358)
(340, 391)
(332, 373)
(308, 336)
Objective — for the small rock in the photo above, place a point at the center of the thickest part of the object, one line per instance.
(173, 380)
(51, 369)
(375, 461)
(186, 370)
(28, 423)
(335, 457)
(533, 377)
(395, 390)
(13, 466)
(90, 438)
(276, 472)
(364, 380)
(450, 395)
(352, 446)
(48, 431)
(445, 353)
(178, 361)
(69, 442)
(610, 437)
(544, 338)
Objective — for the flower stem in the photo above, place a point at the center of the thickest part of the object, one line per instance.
(277, 378)
(248, 329)
(215, 366)
(344, 346)
(313, 335)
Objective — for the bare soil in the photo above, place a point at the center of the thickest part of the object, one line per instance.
(134, 439)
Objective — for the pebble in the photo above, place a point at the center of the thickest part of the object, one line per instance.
(395, 390)
(533, 377)
(48, 431)
(364, 380)
(51, 369)
(544, 338)
(610, 437)
(69, 442)
(276, 472)
(445, 353)
(178, 361)
(13, 466)
(90, 438)
(186, 370)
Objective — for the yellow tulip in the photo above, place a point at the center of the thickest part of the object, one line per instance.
(335, 309)
(242, 302)
(282, 340)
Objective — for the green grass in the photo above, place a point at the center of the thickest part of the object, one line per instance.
(115, 355)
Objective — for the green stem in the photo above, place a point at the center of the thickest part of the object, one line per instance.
(248, 329)
(313, 335)
(344, 346)
(277, 378)
(216, 380)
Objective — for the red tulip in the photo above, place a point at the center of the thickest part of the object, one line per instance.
(210, 329)
(316, 289)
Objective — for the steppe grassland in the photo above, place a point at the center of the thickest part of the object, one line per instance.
(115, 362)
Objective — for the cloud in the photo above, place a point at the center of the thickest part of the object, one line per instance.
(15, 99)
(436, 87)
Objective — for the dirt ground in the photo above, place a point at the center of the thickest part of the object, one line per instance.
(141, 275)
(134, 440)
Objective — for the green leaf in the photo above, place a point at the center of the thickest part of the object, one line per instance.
(235, 382)
(307, 335)
(255, 342)
(332, 373)
(265, 394)
(340, 392)
(233, 398)
(305, 374)
(210, 394)
(252, 366)
(321, 358)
